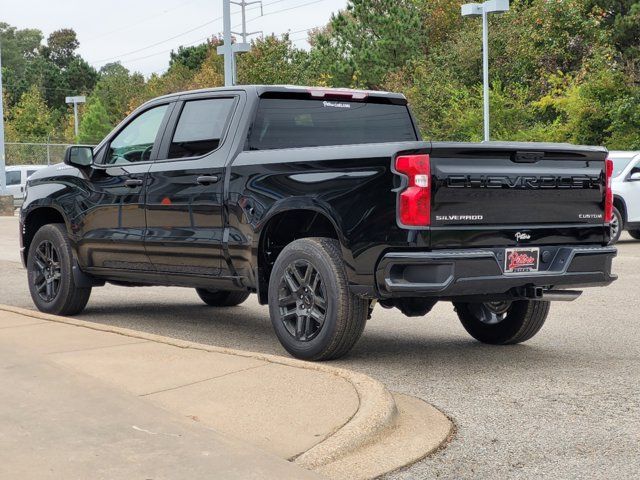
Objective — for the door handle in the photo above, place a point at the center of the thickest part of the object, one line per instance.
(133, 182)
(207, 179)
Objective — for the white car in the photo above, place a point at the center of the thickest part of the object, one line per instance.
(626, 194)
(17, 179)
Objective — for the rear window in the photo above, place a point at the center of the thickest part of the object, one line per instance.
(200, 128)
(291, 123)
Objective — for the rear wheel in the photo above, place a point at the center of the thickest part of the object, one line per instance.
(502, 323)
(222, 298)
(314, 313)
(635, 234)
(616, 226)
(50, 273)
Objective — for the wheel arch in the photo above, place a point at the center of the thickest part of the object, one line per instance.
(621, 205)
(35, 219)
(306, 220)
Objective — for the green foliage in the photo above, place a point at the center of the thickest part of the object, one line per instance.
(273, 61)
(367, 40)
(18, 48)
(95, 122)
(116, 89)
(61, 47)
(30, 119)
(191, 57)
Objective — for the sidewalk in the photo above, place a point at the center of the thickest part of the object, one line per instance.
(57, 424)
(88, 398)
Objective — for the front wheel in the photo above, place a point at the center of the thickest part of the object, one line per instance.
(314, 313)
(502, 323)
(50, 273)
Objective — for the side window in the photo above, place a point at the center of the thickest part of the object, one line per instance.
(135, 142)
(13, 177)
(30, 172)
(200, 127)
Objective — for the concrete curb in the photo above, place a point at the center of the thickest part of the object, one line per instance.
(377, 408)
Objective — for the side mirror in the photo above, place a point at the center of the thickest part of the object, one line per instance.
(78, 155)
(634, 177)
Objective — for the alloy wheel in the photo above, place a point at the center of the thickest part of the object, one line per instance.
(490, 313)
(615, 226)
(302, 301)
(47, 271)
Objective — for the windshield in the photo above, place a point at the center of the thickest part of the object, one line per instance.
(620, 163)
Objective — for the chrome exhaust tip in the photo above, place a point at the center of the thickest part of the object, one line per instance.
(560, 295)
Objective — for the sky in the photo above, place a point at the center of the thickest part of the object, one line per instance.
(141, 33)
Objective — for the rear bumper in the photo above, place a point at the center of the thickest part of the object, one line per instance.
(460, 273)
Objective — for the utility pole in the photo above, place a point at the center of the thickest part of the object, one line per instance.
(244, 46)
(228, 49)
(3, 172)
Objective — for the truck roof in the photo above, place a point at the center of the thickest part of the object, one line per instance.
(261, 90)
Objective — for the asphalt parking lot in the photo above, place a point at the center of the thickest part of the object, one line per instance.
(566, 404)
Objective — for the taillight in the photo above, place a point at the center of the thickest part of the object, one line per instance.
(608, 192)
(414, 202)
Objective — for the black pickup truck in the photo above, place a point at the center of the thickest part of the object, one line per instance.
(323, 202)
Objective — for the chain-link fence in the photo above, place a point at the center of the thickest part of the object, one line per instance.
(33, 153)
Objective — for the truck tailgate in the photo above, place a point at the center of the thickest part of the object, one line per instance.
(497, 194)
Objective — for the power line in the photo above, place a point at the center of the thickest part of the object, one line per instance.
(177, 36)
(283, 10)
(158, 43)
(40, 87)
(164, 51)
(207, 37)
(143, 20)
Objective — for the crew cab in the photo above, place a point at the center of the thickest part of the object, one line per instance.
(324, 203)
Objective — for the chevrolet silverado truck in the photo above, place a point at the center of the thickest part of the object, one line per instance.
(324, 203)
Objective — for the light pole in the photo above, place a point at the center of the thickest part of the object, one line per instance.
(483, 10)
(3, 173)
(75, 101)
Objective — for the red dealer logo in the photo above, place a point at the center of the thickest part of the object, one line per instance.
(517, 260)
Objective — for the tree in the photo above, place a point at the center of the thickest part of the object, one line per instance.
(61, 47)
(19, 47)
(116, 88)
(30, 120)
(95, 124)
(273, 60)
(369, 39)
(191, 57)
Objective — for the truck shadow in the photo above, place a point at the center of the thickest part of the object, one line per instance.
(384, 341)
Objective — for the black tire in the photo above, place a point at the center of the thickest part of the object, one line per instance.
(328, 319)
(634, 234)
(51, 281)
(518, 322)
(222, 298)
(616, 226)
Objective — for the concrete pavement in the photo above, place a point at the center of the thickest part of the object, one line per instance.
(58, 424)
(336, 422)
